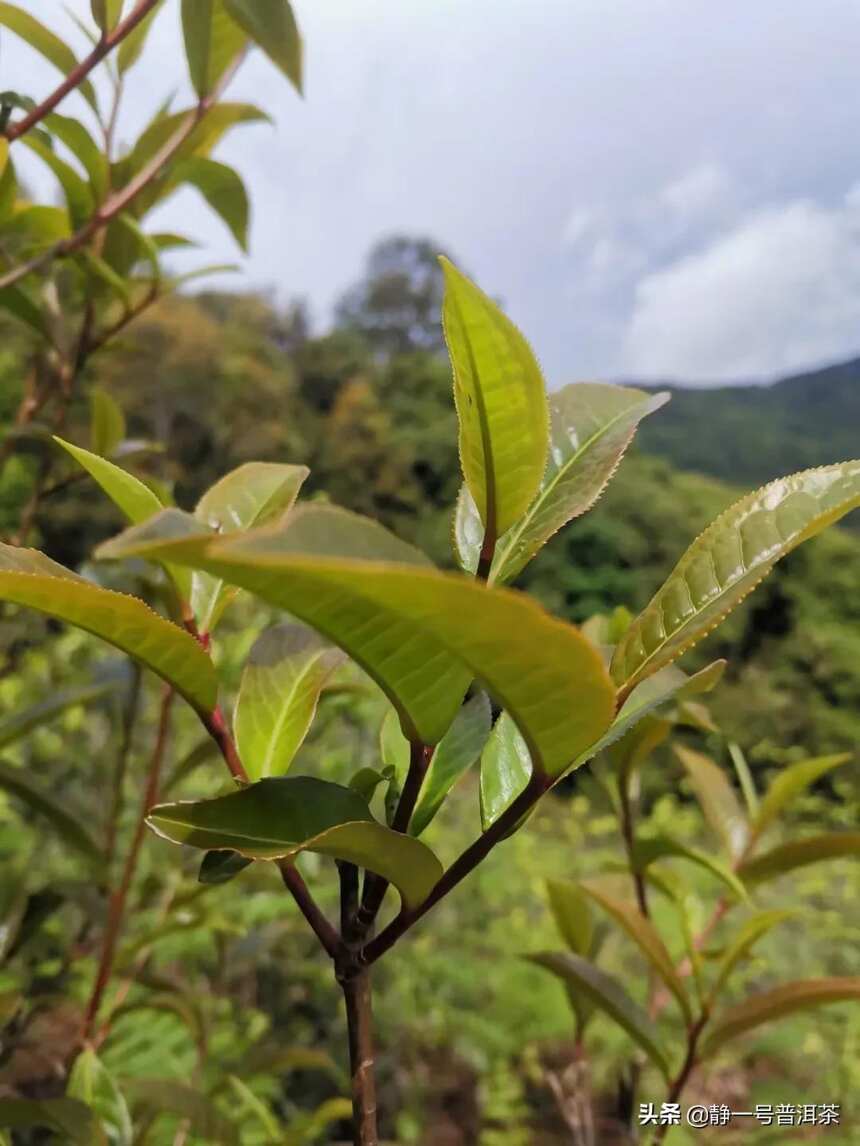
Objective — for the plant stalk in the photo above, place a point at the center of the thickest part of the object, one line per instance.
(460, 868)
(362, 1059)
(78, 74)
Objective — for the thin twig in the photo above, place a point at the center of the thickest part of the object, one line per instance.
(375, 886)
(680, 1081)
(79, 73)
(116, 909)
(537, 786)
(117, 202)
(300, 892)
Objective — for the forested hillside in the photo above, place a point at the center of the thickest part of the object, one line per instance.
(750, 434)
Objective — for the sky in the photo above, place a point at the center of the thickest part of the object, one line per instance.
(656, 189)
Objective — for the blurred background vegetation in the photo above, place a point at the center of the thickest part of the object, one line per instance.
(466, 1039)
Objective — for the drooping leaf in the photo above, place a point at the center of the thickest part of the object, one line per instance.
(455, 753)
(281, 817)
(646, 851)
(799, 853)
(254, 494)
(45, 42)
(501, 404)
(506, 766)
(572, 915)
(742, 943)
(91, 1083)
(78, 196)
(643, 933)
(281, 684)
(68, 824)
(591, 426)
(717, 799)
(65, 1116)
(107, 426)
(212, 42)
(75, 136)
(29, 578)
(610, 997)
(728, 560)
(221, 866)
(271, 24)
(788, 999)
(790, 783)
(221, 187)
(421, 634)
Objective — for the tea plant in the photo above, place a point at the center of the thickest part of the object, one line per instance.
(432, 641)
(698, 984)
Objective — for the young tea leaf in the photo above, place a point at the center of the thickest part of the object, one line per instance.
(610, 997)
(790, 783)
(645, 936)
(728, 560)
(271, 24)
(501, 404)
(767, 1006)
(29, 578)
(799, 853)
(717, 799)
(591, 426)
(421, 634)
(455, 753)
(281, 684)
(281, 817)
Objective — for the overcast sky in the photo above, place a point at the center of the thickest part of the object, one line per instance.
(656, 188)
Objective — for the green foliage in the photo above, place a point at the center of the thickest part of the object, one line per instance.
(280, 818)
(501, 405)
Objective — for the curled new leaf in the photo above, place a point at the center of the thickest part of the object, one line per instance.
(421, 634)
(501, 404)
(29, 578)
(610, 997)
(728, 560)
(281, 817)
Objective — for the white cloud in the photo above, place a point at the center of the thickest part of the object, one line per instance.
(699, 195)
(778, 292)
